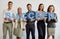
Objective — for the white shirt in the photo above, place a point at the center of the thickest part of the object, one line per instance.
(10, 14)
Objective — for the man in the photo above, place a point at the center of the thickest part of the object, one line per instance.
(17, 29)
(8, 19)
(30, 20)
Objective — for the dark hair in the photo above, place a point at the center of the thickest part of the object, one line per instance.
(49, 8)
(39, 7)
(10, 2)
(19, 8)
(28, 5)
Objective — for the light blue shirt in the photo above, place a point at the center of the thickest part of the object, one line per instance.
(22, 16)
(51, 15)
(43, 14)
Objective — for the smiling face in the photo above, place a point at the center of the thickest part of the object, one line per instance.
(10, 5)
(29, 7)
(19, 10)
(41, 7)
(51, 9)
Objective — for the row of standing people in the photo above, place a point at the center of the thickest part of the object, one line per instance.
(48, 17)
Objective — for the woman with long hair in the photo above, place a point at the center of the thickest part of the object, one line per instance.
(51, 20)
(41, 22)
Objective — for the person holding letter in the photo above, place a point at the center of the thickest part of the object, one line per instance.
(51, 20)
(30, 20)
(8, 19)
(42, 15)
(17, 28)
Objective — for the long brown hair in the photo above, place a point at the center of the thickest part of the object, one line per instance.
(39, 7)
(49, 8)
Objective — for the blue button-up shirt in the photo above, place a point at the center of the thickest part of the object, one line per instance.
(30, 15)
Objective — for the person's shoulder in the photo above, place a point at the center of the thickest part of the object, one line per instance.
(5, 9)
(37, 11)
(12, 10)
(16, 13)
(47, 12)
(32, 11)
(27, 12)
(55, 13)
(24, 13)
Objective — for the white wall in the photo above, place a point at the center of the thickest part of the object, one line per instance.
(35, 3)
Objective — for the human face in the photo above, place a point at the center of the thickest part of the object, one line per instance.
(29, 7)
(41, 7)
(51, 9)
(9, 5)
(19, 11)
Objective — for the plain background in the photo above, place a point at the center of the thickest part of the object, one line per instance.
(35, 3)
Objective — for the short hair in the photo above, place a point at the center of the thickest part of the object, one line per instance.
(10, 2)
(19, 8)
(49, 8)
(28, 5)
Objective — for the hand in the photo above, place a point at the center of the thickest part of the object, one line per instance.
(39, 19)
(9, 19)
(24, 20)
(23, 29)
(5, 18)
(14, 20)
(48, 19)
(32, 19)
(45, 19)
(54, 18)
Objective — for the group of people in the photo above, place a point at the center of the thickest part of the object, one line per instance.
(42, 17)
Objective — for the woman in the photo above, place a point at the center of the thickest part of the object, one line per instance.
(51, 20)
(41, 22)
(17, 29)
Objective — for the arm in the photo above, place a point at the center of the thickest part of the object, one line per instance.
(48, 18)
(4, 15)
(15, 25)
(23, 21)
(55, 18)
(45, 17)
(23, 25)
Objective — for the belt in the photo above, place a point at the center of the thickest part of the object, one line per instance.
(7, 22)
(30, 24)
